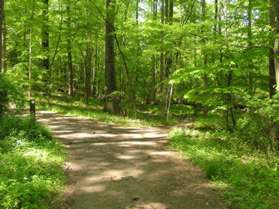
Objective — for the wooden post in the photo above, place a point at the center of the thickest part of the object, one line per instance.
(32, 105)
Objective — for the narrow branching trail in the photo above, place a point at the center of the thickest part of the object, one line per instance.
(114, 167)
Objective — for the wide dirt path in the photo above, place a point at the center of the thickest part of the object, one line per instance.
(114, 167)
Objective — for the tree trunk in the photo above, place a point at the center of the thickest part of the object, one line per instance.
(88, 69)
(30, 65)
(274, 51)
(154, 58)
(162, 56)
(1, 33)
(69, 54)
(111, 104)
(205, 56)
(250, 44)
(216, 5)
(169, 17)
(45, 46)
(4, 53)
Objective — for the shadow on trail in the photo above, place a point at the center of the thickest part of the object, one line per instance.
(114, 167)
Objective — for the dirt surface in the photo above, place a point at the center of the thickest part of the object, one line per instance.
(114, 167)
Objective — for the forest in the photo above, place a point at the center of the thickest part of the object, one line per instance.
(139, 104)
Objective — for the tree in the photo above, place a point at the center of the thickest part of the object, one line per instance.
(45, 45)
(1, 33)
(274, 50)
(69, 51)
(111, 104)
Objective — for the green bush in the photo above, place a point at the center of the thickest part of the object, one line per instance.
(254, 130)
(9, 93)
(31, 173)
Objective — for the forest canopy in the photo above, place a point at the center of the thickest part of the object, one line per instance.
(216, 56)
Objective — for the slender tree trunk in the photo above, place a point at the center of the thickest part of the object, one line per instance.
(69, 53)
(250, 44)
(30, 55)
(45, 46)
(88, 69)
(169, 18)
(70, 68)
(216, 5)
(95, 70)
(111, 104)
(169, 98)
(274, 61)
(133, 85)
(4, 53)
(1, 33)
(274, 20)
(274, 48)
(272, 75)
(169, 58)
(154, 58)
(30, 65)
(162, 56)
(205, 56)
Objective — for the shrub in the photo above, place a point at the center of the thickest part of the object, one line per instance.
(254, 129)
(31, 173)
(9, 93)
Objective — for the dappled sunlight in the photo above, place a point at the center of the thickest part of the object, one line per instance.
(41, 155)
(162, 153)
(120, 174)
(74, 166)
(118, 167)
(126, 157)
(36, 154)
(93, 189)
(150, 205)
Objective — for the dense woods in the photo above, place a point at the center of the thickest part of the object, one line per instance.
(200, 49)
(211, 56)
(175, 60)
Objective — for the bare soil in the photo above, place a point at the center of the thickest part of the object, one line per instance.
(114, 167)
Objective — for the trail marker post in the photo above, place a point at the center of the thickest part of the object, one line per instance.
(32, 105)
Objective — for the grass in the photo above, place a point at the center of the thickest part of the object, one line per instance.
(76, 107)
(31, 174)
(248, 178)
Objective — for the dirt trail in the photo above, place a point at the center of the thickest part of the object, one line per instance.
(114, 167)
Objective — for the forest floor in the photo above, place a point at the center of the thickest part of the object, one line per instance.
(120, 167)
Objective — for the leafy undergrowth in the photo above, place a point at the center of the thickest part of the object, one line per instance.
(31, 173)
(95, 111)
(248, 178)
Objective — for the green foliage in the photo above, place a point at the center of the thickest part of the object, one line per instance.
(9, 93)
(254, 130)
(249, 179)
(31, 173)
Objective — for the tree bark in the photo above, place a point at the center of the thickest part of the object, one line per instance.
(88, 69)
(111, 104)
(1, 33)
(45, 46)
(162, 55)
(250, 44)
(205, 56)
(154, 58)
(69, 53)
(30, 65)
(274, 48)
(216, 8)
(169, 56)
